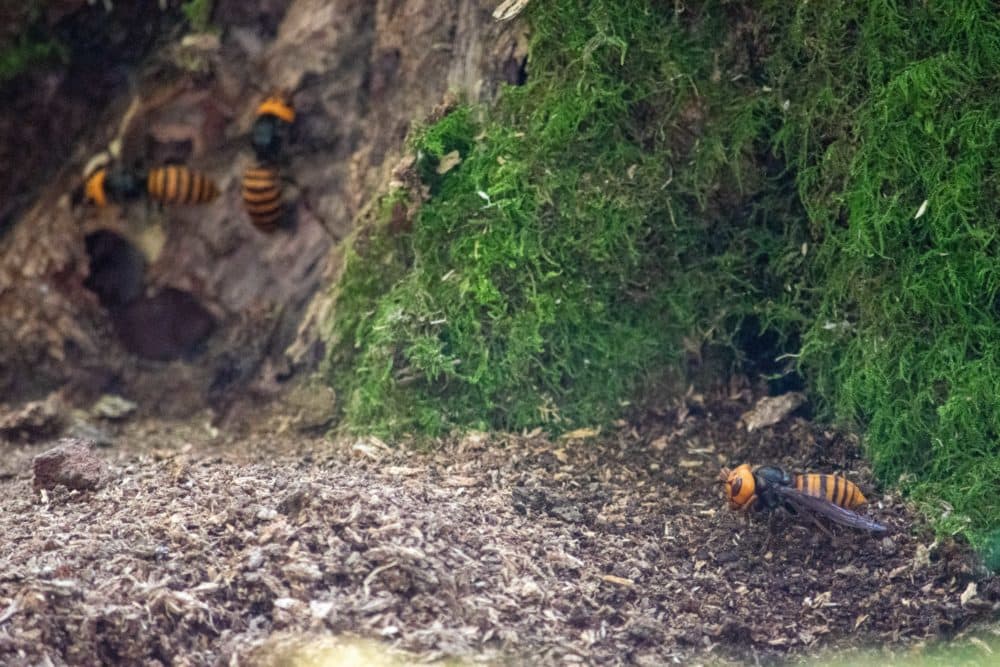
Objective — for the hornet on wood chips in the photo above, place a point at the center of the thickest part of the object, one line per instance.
(261, 186)
(768, 487)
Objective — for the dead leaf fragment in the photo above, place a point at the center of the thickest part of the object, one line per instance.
(922, 557)
(851, 570)
(459, 481)
(898, 571)
(403, 471)
(508, 9)
(113, 407)
(820, 600)
(448, 162)
(968, 593)
(618, 581)
(659, 444)
(580, 434)
(772, 409)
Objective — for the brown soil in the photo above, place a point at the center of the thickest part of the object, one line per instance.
(612, 549)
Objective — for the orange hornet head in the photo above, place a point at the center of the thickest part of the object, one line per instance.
(740, 485)
(279, 105)
(94, 189)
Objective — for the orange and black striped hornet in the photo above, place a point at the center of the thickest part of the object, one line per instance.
(170, 185)
(768, 487)
(261, 187)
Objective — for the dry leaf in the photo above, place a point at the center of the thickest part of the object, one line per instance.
(898, 571)
(580, 434)
(772, 409)
(508, 9)
(403, 471)
(822, 599)
(368, 449)
(618, 581)
(969, 593)
(448, 162)
(459, 481)
(922, 557)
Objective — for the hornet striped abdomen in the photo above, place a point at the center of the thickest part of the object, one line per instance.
(262, 197)
(179, 185)
(833, 488)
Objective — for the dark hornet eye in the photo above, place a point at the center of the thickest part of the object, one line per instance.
(736, 486)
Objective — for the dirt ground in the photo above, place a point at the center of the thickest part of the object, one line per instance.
(612, 549)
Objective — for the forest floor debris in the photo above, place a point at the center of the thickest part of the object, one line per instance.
(614, 549)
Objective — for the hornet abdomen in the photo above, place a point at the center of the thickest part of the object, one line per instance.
(833, 488)
(262, 197)
(177, 184)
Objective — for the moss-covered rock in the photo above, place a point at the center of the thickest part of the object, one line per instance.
(892, 132)
(613, 213)
(820, 179)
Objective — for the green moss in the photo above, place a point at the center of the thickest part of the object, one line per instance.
(26, 40)
(199, 14)
(27, 52)
(893, 105)
(742, 177)
(584, 235)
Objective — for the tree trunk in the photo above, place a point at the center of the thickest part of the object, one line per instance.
(183, 307)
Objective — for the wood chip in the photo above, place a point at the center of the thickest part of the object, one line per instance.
(448, 162)
(580, 434)
(618, 581)
(509, 9)
(771, 410)
(968, 593)
(460, 481)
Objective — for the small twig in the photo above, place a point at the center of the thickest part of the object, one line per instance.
(374, 573)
